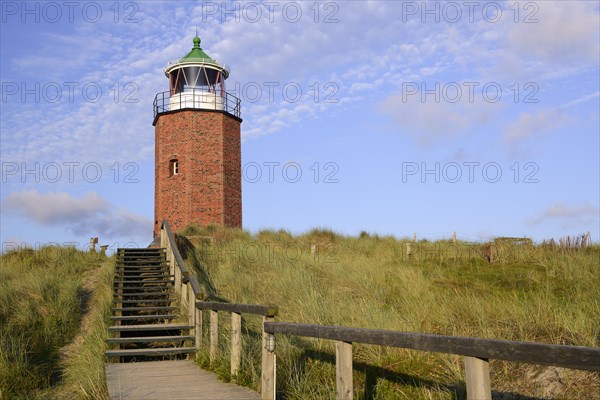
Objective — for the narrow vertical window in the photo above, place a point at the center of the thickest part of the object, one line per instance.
(173, 167)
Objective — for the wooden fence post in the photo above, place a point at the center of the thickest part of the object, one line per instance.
(268, 371)
(121, 278)
(120, 267)
(184, 293)
(236, 342)
(198, 328)
(343, 370)
(214, 334)
(477, 377)
(176, 271)
(191, 302)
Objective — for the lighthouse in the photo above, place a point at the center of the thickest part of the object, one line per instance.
(197, 145)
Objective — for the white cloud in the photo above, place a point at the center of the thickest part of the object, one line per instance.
(568, 215)
(530, 125)
(54, 208)
(429, 121)
(582, 99)
(566, 33)
(542, 122)
(89, 215)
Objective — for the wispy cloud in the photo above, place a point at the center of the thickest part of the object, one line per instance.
(569, 216)
(430, 122)
(534, 124)
(582, 99)
(90, 214)
(559, 32)
(542, 122)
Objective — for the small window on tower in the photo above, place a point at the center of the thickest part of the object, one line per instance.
(173, 167)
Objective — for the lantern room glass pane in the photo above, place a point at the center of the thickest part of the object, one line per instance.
(193, 76)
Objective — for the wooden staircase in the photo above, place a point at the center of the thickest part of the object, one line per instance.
(143, 312)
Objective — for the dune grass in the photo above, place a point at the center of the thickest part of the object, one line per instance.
(43, 298)
(529, 293)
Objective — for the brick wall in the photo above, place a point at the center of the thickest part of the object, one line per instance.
(208, 187)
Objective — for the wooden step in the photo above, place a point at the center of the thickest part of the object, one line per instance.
(138, 263)
(154, 263)
(141, 256)
(143, 285)
(133, 290)
(134, 262)
(142, 317)
(150, 352)
(148, 288)
(144, 301)
(143, 253)
(143, 270)
(129, 278)
(165, 308)
(149, 327)
(147, 281)
(142, 279)
(127, 249)
(136, 253)
(127, 292)
(144, 294)
(134, 267)
(155, 271)
(149, 339)
(137, 274)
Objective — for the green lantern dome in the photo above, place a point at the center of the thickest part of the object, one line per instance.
(196, 53)
(198, 57)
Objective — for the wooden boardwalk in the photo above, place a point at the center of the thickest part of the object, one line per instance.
(173, 380)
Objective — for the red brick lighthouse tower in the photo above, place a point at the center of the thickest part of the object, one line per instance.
(197, 146)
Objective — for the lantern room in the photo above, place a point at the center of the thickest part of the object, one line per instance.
(197, 81)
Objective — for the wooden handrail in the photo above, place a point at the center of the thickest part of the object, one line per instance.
(476, 352)
(185, 273)
(185, 282)
(199, 294)
(171, 240)
(267, 311)
(574, 357)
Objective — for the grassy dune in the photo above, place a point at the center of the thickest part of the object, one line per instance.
(53, 306)
(529, 293)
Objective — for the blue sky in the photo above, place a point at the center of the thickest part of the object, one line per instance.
(402, 117)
